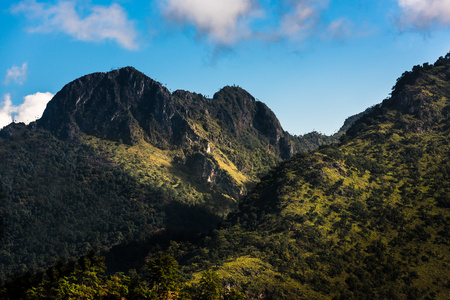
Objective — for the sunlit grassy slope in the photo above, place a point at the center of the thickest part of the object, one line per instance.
(158, 169)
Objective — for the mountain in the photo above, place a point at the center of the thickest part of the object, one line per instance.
(126, 106)
(367, 218)
(116, 158)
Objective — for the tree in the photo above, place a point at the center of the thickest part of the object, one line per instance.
(210, 286)
(233, 294)
(164, 275)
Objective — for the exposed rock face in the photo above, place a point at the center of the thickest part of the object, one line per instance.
(246, 117)
(395, 158)
(127, 105)
(206, 169)
(266, 122)
(120, 105)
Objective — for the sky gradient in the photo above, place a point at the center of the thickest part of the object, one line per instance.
(314, 63)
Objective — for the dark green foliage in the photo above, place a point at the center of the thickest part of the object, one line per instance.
(163, 275)
(62, 199)
(86, 279)
(209, 287)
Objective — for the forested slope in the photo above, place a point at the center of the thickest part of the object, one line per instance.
(366, 219)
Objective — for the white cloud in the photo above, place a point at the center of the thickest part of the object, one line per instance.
(30, 110)
(222, 21)
(32, 107)
(16, 74)
(6, 111)
(102, 23)
(422, 14)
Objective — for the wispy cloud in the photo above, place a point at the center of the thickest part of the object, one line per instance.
(101, 23)
(301, 18)
(223, 22)
(343, 29)
(16, 74)
(423, 14)
(340, 29)
(30, 110)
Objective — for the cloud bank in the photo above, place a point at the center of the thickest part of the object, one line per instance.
(16, 74)
(423, 14)
(30, 110)
(101, 23)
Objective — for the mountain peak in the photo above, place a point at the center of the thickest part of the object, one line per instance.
(128, 72)
(419, 102)
(118, 105)
(241, 112)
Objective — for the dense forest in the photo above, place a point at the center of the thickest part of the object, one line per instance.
(365, 218)
(85, 278)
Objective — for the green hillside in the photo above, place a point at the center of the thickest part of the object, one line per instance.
(366, 219)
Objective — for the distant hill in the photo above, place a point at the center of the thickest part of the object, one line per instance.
(116, 158)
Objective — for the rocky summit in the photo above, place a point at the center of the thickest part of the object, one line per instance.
(126, 105)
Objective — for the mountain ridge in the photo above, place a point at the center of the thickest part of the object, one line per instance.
(127, 95)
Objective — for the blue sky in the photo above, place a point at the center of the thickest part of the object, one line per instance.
(313, 62)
